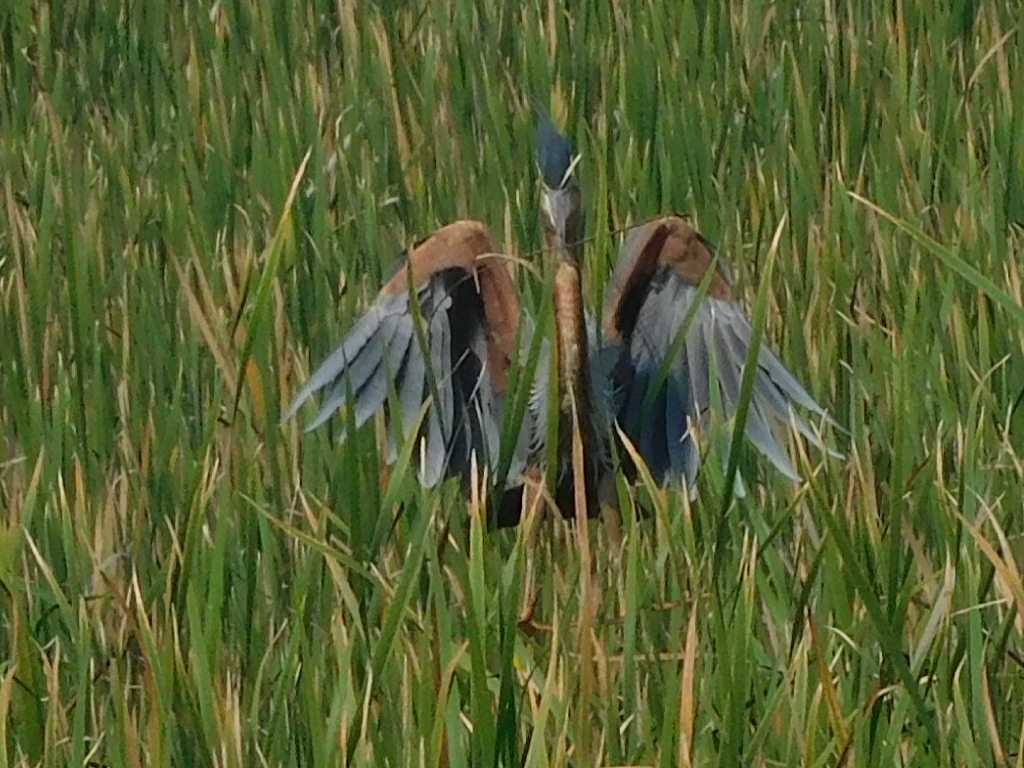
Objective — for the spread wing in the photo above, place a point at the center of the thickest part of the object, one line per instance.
(448, 346)
(670, 374)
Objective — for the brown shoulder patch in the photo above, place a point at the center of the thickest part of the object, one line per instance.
(691, 256)
(468, 245)
(503, 315)
(668, 241)
(456, 245)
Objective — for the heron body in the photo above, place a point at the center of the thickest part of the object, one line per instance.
(445, 331)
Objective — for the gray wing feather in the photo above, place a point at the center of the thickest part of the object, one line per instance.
(373, 392)
(775, 370)
(439, 416)
(710, 361)
(699, 363)
(723, 366)
(647, 410)
(410, 397)
(366, 330)
(678, 441)
(677, 430)
(732, 356)
(440, 370)
(777, 403)
(658, 403)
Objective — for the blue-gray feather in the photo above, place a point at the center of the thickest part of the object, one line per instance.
(663, 399)
(443, 374)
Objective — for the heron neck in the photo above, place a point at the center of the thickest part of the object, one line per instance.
(571, 336)
(575, 392)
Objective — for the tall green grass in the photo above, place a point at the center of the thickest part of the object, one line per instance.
(198, 198)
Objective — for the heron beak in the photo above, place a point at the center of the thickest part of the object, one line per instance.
(563, 219)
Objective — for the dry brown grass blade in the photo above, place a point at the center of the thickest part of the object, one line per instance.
(687, 700)
(588, 599)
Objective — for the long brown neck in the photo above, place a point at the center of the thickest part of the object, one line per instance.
(575, 390)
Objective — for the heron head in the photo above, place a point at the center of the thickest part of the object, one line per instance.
(560, 200)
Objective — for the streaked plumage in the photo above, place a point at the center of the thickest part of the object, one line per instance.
(446, 353)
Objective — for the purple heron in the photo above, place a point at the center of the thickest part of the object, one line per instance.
(672, 346)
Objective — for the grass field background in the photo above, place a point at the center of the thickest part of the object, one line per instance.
(196, 199)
